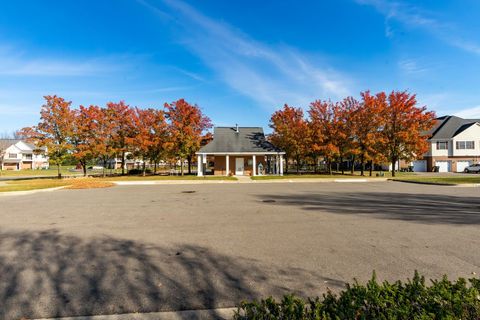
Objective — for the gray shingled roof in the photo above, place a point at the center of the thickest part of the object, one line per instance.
(448, 127)
(247, 139)
(5, 143)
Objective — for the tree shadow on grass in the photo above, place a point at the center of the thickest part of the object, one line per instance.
(422, 208)
(48, 274)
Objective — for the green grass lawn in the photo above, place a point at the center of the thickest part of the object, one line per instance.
(186, 177)
(442, 180)
(334, 175)
(52, 171)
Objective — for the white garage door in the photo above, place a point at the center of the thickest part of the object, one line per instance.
(444, 166)
(419, 165)
(461, 165)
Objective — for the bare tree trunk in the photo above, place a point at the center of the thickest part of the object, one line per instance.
(104, 166)
(352, 169)
(298, 164)
(84, 166)
(144, 168)
(59, 175)
(181, 166)
(123, 163)
(155, 167)
(341, 165)
(362, 168)
(371, 168)
(189, 159)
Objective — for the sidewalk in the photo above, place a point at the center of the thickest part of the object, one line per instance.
(221, 313)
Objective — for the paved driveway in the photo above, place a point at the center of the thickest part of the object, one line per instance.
(175, 247)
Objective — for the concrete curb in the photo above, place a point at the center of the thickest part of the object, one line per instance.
(220, 313)
(23, 193)
(160, 182)
(462, 185)
(320, 180)
(297, 180)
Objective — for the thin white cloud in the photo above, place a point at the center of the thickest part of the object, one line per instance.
(413, 17)
(411, 67)
(21, 64)
(469, 113)
(269, 75)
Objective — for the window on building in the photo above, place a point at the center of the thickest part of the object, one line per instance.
(442, 145)
(12, 155)
(465, 145)
(28, 156)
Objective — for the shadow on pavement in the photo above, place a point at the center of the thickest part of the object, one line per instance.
(422, 208)
(48, 274)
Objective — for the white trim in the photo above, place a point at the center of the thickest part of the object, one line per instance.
(254, 165)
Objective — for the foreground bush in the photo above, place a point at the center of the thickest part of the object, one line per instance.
(443, 299)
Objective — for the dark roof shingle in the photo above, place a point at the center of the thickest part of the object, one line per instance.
(448, 127)
(247, 139)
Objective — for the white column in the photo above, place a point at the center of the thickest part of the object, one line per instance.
(254, 171)
(281, 165)
(199, 165)
(227, 165)
(277, 164)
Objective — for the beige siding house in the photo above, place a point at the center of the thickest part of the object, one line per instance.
(454, 145)
(20, 155)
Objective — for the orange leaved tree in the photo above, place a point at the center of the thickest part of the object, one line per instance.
(326, 129)
(84, 148)
(121, 117)
(367, 121)
(54, 131)
(187, 125)
(403, 126)
(290, 133)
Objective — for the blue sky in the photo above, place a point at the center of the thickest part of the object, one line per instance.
(238, 60)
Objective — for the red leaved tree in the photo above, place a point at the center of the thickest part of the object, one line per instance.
(84, 135)
(403, 126)
(187, 125)
(290, 133)
(366, 124)
(54, 131)
(326, 129)
(121, 117)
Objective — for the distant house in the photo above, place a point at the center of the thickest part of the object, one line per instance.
(19, 155)
(454, 145)
(240, 151)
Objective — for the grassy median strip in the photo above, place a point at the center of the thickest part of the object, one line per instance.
(174, 178)
(442, 180)
(77, 183)
(335, 175)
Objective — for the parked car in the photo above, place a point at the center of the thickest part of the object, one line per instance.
(473, 168)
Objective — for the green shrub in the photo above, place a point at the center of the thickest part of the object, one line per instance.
(413, 299)
(138, 171)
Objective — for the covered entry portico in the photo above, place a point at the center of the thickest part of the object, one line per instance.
(240, 164)
(240, 151)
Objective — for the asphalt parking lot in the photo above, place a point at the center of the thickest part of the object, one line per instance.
(179, 247)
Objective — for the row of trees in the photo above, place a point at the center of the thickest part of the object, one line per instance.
(378, 128)
(93, 132)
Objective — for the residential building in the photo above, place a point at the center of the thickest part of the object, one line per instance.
(454, 145)
(18, 155)
(240, 151)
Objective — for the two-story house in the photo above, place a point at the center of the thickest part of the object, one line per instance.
(454, 145)
(18, 155)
